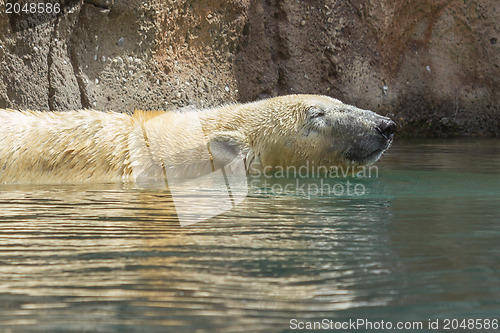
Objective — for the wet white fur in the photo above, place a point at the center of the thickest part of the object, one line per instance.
(93, 146)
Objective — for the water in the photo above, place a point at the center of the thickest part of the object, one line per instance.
(422, 243)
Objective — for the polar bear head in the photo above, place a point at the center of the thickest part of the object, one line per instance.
(297, 129)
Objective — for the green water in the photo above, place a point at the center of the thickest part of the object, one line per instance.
(421, 243)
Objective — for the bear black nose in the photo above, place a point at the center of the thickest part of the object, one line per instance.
(387, 128)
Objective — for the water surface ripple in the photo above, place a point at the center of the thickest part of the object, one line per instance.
(422, 242)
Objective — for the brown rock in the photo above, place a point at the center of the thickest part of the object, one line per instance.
(432, 65)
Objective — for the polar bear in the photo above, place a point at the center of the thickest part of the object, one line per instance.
(94, 146)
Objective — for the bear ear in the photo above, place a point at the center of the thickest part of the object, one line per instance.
(227, 148)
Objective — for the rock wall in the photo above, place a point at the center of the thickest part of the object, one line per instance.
(432, 65)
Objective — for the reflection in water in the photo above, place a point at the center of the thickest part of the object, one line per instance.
(420, 243)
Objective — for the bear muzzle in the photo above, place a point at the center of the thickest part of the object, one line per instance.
(372, 146)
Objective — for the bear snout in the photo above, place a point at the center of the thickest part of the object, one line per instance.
(386, 128)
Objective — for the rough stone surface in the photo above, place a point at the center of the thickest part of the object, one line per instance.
(432, 65)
